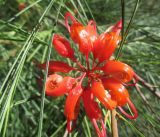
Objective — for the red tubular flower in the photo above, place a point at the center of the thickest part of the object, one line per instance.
(62, 46)
(91, 28)
(72, 105)
(87, 38)
(75, 30)
(117, 91)
(119, 71)
(91, 107)
(93, 111)
(84, 36)
(106, 43)
(56, 85)
(56, 66)
(71, 102)
(103, 96)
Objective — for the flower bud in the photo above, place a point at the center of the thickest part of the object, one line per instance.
(62, 46)
(56, 66)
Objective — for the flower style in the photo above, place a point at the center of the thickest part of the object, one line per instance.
(106, 79)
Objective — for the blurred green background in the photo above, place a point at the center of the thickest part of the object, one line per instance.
(24, 40)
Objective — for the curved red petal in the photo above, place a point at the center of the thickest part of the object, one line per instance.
(91, 107)
(98, 45)
(91, 28)
(103, 96)
(72, 104)
(66, 16)
(111, 42)
(84, 36)
(76, 28)
(56, 66)
(117, 91)
(87, 37)
(105, 45)
(80, 36)
(119, 71)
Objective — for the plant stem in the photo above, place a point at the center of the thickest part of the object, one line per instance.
(87, 61)
(128, 27)
(150, 87)
(40, 124)
(114, 123)
(79, 64)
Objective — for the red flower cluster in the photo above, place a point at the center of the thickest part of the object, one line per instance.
(106, 79)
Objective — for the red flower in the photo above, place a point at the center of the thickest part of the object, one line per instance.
(105, 78)
(103, 96)
(62, 46)
(72, 105)
(93, 111)
(85, 36)
(57, 66)
(117, 91)
(118, 71)
(56, 85)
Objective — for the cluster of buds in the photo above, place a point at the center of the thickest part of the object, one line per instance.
(105, 78)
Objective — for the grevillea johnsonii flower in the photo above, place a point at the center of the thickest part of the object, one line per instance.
(117, 91)
(103, 96)
(57, 66)
(91, 107)
(84, 36)
(104, 80)
(56, 85)
(62, 46)
(118, 71)
(93, 111)
(72, 105)
(106, 43)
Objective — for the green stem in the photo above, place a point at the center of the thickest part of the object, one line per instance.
(43, 91)
(128, 27)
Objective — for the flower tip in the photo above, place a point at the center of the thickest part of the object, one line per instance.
(66, 16)
(117, 28)
(119, 24)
